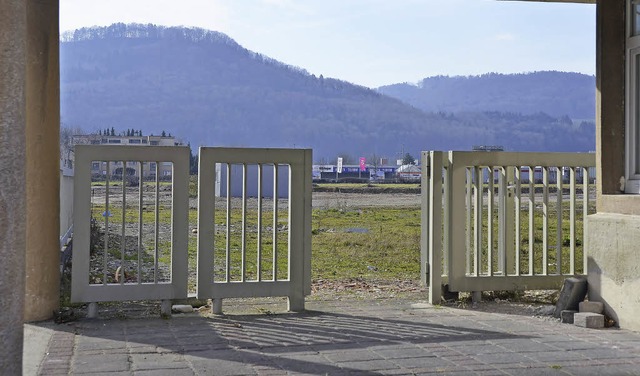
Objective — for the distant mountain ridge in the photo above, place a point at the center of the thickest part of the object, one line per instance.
(555, 93)
(205, 88)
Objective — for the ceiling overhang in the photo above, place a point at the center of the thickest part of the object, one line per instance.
(558, 1)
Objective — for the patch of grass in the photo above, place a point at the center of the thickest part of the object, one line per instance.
(193, 186)
(537, 242)
(382, 251)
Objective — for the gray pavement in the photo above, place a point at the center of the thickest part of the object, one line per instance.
(357, 337)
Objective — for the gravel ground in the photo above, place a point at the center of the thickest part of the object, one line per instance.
(338, 200)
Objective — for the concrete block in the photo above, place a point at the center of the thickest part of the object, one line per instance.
(566, 316)
(589, 320)
(182, 308)
(573, 292)
(589, 306)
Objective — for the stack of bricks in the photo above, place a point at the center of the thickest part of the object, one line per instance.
(589, 315)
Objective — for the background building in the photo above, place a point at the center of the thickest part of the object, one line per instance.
(134, 169)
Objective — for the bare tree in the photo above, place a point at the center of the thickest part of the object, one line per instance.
(66, 141)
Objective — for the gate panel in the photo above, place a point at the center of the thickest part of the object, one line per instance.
(121, 250)
(499, 221)
(258, 243)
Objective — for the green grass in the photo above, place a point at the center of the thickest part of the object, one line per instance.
(537, 241)
(390, 249)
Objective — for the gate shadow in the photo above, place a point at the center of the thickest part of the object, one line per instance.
(297, 342)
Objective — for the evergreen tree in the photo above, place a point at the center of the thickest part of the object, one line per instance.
(408, 159)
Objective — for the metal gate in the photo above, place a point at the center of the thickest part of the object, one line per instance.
(278, 262)
(131, 224)
(489, 219)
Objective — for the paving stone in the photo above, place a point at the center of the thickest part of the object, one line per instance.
(348, 356)
(553, 356)
(100, 363)
(165, 372)
(601, 354)
(522, 346)
(594, 371)
(566, 316)
(345, 338)
(574, 345)
(589, 320)
(504, 357)
(52, 372)
(589, 306)
(157, 361)
(221, 368)
(573, 292)
(399, 353)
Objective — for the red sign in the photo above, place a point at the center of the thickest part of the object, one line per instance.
(363, 166)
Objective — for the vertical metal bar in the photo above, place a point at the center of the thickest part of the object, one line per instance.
(532, 208)
(124, 213)
(157, 226)
(510, 222)
(447, 229)
(106, 213)
(140, 206)
(308, 212)
(502, 220)
(572, 221)
(228, 244)
(545, 219)
(259, 236)
(275, 221)
(518, 227)
(178, 250)
(425, 214)
(435, 227)
(585, 212)
(244, 223)
(477, 227)
(299, 180)
(559, 239)
(490, 195)
(209, 183)
(455, 218)
(468, 226)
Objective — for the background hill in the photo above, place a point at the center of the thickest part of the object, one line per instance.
(203, 87)
(555, 93)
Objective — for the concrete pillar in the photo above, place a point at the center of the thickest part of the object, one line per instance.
(12, 182)
(610, 97)
(43, 160)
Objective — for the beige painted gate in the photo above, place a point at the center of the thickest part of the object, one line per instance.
(132, 234)
(503, 221)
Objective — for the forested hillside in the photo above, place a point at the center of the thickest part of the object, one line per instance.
(205, 88)
(555, 93)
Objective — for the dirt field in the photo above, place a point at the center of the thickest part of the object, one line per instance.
(331, 200)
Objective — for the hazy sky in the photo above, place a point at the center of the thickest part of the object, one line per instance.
(377, 42)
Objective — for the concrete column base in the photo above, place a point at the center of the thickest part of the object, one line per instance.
(613, 268)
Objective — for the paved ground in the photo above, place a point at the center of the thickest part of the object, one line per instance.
(370, 337)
